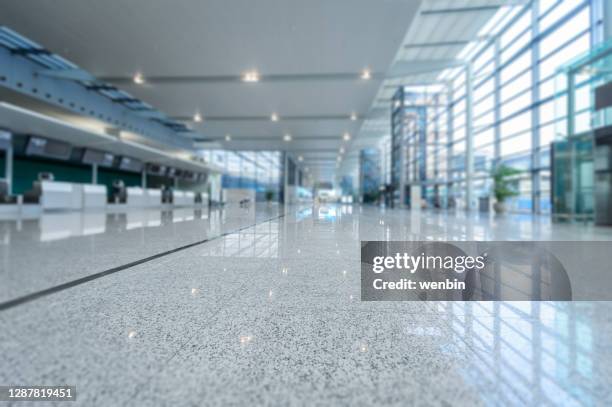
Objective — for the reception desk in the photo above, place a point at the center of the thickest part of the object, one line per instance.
(153, 197)
(135, 197)
(61, 195)
(56, 195)
(138, 197)
(94, 196)
(183, 198)
(205, 199)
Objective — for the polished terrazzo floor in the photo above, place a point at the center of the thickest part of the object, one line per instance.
(267, 311)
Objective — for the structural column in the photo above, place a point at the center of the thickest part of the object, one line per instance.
(6, 143)
(286, 180)
(497, 104)
(535, 115)
(469, 139)
(94, 174)
(607, 19)
(143, 177)
(449, 140)
(8, 168)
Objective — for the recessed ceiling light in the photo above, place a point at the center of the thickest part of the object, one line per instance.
(274, 117)
(353, 116)
(250, 76)
(228, 137)
(138, 78)
(287, 137)
(341, 150)
(300, 158)
(197, 117)
(366, 74)
(346, 136)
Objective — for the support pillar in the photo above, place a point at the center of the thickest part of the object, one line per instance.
(535, 116)
(450, 186)
(94, 174)
(6, 143)
(607, 20)
(143, 178)
(469, 139)
(497, 109)
(8, 169)
(286, 180)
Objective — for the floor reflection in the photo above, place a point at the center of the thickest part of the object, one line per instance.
(58, 247)
(532, 353)
(259, 241)
(54, 226)
(274, 295)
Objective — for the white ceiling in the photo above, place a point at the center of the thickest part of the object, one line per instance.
(116, 38)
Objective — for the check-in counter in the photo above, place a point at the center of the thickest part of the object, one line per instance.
(94, 196)
(135, 197)
(183, 198)
(153, 197)
(61, 195)
(139, 197)
(205, 199)
(189, 198)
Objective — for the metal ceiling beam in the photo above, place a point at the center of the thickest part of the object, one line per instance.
(267, 118)
(30, 51)
(467, 9)
(23, 76)
(150, 114)
(70, 74)
(437, 44)
(446, 43)
(203, 79)
(335, 137)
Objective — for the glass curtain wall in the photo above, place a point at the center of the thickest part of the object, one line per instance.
(259, 170)
(385, 164)
(516, 108)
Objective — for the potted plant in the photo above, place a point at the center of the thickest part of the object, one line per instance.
(503, 186)
(269, 196)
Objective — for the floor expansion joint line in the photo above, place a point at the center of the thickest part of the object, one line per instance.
(64, 286)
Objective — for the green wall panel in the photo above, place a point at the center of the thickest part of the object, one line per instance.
(2, 161)
(26, 169)
(25, 172)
